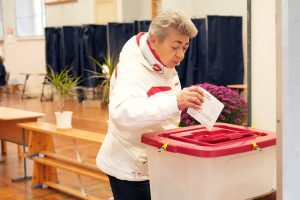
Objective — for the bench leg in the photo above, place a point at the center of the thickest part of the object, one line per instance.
(39, 142)
(43, 173)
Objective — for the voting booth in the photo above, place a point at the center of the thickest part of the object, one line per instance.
(228, 162)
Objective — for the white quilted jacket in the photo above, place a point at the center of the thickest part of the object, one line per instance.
(142, 99)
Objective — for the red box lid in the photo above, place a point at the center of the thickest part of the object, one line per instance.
(224, 139)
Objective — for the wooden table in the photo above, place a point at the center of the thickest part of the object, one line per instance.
(9, 131)
(238, 86)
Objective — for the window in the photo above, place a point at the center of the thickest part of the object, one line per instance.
(30, 18)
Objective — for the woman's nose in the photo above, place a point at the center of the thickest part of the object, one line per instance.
(180, 54)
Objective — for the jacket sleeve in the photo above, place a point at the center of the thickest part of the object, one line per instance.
(131, 108)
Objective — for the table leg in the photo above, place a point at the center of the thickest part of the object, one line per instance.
(25, 177)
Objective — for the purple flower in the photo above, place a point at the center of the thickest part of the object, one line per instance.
(227, 111)
(222, 117)
(237, 121)
(235, 106)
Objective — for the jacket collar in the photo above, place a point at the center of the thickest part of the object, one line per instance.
(149, 54)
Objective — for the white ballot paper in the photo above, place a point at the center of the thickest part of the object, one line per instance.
(209, 111)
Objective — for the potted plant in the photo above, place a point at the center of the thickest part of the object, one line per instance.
(104, 76)
(64, 84)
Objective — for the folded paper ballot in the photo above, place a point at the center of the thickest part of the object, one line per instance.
(209, 111)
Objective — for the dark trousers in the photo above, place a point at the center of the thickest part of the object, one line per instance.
(129, 190)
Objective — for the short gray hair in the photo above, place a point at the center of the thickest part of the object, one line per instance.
(172, 19)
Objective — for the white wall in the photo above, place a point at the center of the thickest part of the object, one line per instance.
(28, 55)
(136, 10)
(1, 48)
(201, 8)
(74, 13)
(22, 55)
(263, 65)
(288, 99)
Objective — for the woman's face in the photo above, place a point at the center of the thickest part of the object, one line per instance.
(172, 49)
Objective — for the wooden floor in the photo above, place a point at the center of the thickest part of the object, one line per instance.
(88, 116)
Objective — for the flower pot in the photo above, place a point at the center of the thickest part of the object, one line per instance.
(63, 119)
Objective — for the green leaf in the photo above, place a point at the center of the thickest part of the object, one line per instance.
(103, 78)
(63, 82)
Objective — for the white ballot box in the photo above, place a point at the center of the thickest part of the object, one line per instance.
(230, 162)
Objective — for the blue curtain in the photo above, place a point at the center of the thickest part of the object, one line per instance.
(141, 26)
(70, 43)
(193, 69)
(54, 48)
(119, 33)
(92, 44)
(215, 55)
(71, 46)
(225, 50)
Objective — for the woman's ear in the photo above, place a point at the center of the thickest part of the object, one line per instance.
(152, 41)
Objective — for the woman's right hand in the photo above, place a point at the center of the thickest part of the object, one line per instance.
(190, 97)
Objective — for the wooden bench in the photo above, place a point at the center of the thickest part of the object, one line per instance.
(46, 161)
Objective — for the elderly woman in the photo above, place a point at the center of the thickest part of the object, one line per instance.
(145, 95)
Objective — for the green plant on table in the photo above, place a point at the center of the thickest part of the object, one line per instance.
(64, 83)
(104, 76)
